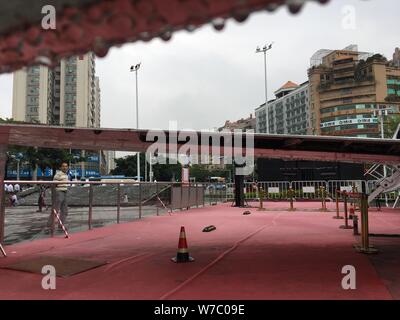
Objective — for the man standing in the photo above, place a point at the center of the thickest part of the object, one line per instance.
(61, 204)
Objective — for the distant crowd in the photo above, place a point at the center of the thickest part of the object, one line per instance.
(12, 192)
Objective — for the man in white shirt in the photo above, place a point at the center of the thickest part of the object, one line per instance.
(17, 188)
(61, 204)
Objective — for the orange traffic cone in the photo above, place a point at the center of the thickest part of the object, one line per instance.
(183, 252)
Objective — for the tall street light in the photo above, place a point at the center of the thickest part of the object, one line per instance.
(264, 50)
(17, 158)
(135, 69)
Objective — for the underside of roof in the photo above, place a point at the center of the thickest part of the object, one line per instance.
(355, 150)
(97, 25)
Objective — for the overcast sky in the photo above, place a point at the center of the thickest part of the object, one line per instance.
(203, 78)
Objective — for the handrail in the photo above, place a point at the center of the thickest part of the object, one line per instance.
(86, 182)
(155, 194)
(90, 184)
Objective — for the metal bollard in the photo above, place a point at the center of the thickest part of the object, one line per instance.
(291, 195)
(261, 194)
(337, 206)
(346, 218)
(355, 225)
(323, 198)
(365, 246)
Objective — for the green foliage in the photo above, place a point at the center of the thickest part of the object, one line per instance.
(377, 57)
(127, 166)
(51, 158)
(392, 98)
(167, 172)
(12, 121)
(41, 157)
(390, 128)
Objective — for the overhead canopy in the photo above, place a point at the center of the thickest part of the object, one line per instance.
(356, 150)
(97, 25)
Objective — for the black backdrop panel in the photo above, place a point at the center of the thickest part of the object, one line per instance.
(280, 170)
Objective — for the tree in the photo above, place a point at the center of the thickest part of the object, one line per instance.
(38, 157)
(169, 172)
(392, 125)
(52, 158)
(162, 172)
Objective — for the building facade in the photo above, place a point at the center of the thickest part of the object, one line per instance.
(347, 86)
(289, 112)
(67, 95)
(242, 124)
(110, 161)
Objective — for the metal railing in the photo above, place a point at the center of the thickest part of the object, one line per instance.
(308, 189)
(96, 203)
(91, 204)
(345, 185)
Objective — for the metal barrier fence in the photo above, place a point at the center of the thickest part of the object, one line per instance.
(276, 190)
(308, 189)
(91, 204)
(345, 185)
(95, 204)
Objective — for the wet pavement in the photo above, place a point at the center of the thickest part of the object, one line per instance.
(24, 223)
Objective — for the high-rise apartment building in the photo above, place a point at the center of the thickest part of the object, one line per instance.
(67, 95)
(33, 95)
(288, 112)
(110, 161)
(347, 86)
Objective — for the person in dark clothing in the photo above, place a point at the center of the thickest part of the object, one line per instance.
(41, 200)
(378, 203)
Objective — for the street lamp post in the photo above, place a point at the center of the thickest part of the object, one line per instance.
(17, 158)
(264, 50)
(135, 69)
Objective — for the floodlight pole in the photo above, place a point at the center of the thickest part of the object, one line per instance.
(135, 69)
(264, 50)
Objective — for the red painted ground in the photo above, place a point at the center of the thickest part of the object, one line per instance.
(265, 255)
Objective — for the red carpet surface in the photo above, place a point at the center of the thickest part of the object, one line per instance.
(264, 255)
